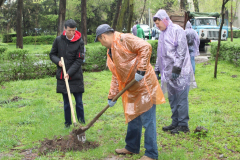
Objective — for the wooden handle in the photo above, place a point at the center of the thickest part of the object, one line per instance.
(105, 108)
(68, 91)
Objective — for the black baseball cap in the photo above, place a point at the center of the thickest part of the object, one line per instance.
(102, 29)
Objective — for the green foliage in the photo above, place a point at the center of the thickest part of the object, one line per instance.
(20, 64)
(95, 58)
(229, 51)
(154, 44)
(91, 38)
(9, 37)
(236, 33)
(2, 49)
(38, 39)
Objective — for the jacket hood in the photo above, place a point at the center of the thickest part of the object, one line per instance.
(77, 36)
(138, 26)
(188, 25)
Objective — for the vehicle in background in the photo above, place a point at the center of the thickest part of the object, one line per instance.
(146, 30)
(155, 32)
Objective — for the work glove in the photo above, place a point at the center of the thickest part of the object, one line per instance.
(139, 75)
(111, 103)
(175, 72)
(157, 74)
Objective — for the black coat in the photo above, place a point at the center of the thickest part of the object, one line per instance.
(73, 55)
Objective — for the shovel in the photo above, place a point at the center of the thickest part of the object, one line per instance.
(82, 130)
(68, 91)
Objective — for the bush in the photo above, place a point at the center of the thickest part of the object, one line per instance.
(38, 39)
(95, 58)
(236, 33)
(19, 64)
(91, 38)
(229, 51)
(2, 49)
(154, 44)
(8, 37)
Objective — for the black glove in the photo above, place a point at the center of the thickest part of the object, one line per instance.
(176, 72)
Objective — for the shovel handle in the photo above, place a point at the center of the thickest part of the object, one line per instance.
(105, 108)
(68, 91)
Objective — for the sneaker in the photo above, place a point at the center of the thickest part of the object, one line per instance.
(123, 151)
(168, 128)
(146, 158)
(178, 129)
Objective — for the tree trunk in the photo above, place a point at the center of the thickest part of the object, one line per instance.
(131, 7)
(19, 43)
(183, 5)
(84, 20)
(121, 16)
(196, 6)
(1, 2)
(143, 10)
(61, 16)
(219, 38)
(115, 21)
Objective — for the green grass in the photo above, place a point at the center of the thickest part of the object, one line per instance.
(234, 39)
(215, 104)
(31, 48)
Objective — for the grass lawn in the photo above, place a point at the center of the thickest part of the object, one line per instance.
(31, 48)
(234, 40)
(215, 104)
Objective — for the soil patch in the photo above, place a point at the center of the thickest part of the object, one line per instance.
(14, 99)
(65, 144)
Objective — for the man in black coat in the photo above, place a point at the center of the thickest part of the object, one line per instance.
(70, 46)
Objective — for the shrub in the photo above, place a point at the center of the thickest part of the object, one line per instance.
(8, 37)
(236, 33)
(229, 51)
(154, 44)
(95, 58)
(38, 39)
(91, 38)
(2, 49)
(19, 64)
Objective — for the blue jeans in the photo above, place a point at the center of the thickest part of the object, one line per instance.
(134, 132)
(79, 108)
(179, 105)
(193, 63)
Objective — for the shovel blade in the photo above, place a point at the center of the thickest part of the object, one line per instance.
(82, 137)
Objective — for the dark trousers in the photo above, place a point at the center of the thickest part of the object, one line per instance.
(134, 133)
(179, 105)
(79, 108)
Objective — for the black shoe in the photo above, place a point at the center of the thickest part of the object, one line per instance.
(168, 128)
(178, 129)
(67, 126)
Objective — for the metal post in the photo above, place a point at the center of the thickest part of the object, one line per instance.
(231, 23)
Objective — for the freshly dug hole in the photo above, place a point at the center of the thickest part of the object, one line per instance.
(65, 144)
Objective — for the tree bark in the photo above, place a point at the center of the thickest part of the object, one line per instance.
(196, 6)
(1, 2)
(183, 5)
(143, 11)
(124, 7)
(115, 21)
(131, 7)
(219, 38)
(19, 43)
(61, 16)
(84, 20)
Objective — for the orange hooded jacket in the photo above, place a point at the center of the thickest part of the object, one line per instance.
(129, 54)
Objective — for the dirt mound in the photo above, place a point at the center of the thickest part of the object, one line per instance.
(65, 144)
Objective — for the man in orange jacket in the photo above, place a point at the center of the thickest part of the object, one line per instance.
(128, 58)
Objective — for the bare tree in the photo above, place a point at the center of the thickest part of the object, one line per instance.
(219, 37)
(143, 10)
(61, 16)
(19, 43)
(183, 4)
(115, 21)
(84, 20)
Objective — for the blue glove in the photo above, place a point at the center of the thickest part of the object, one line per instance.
(138, 77)
(175, 76)
(111, 103)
